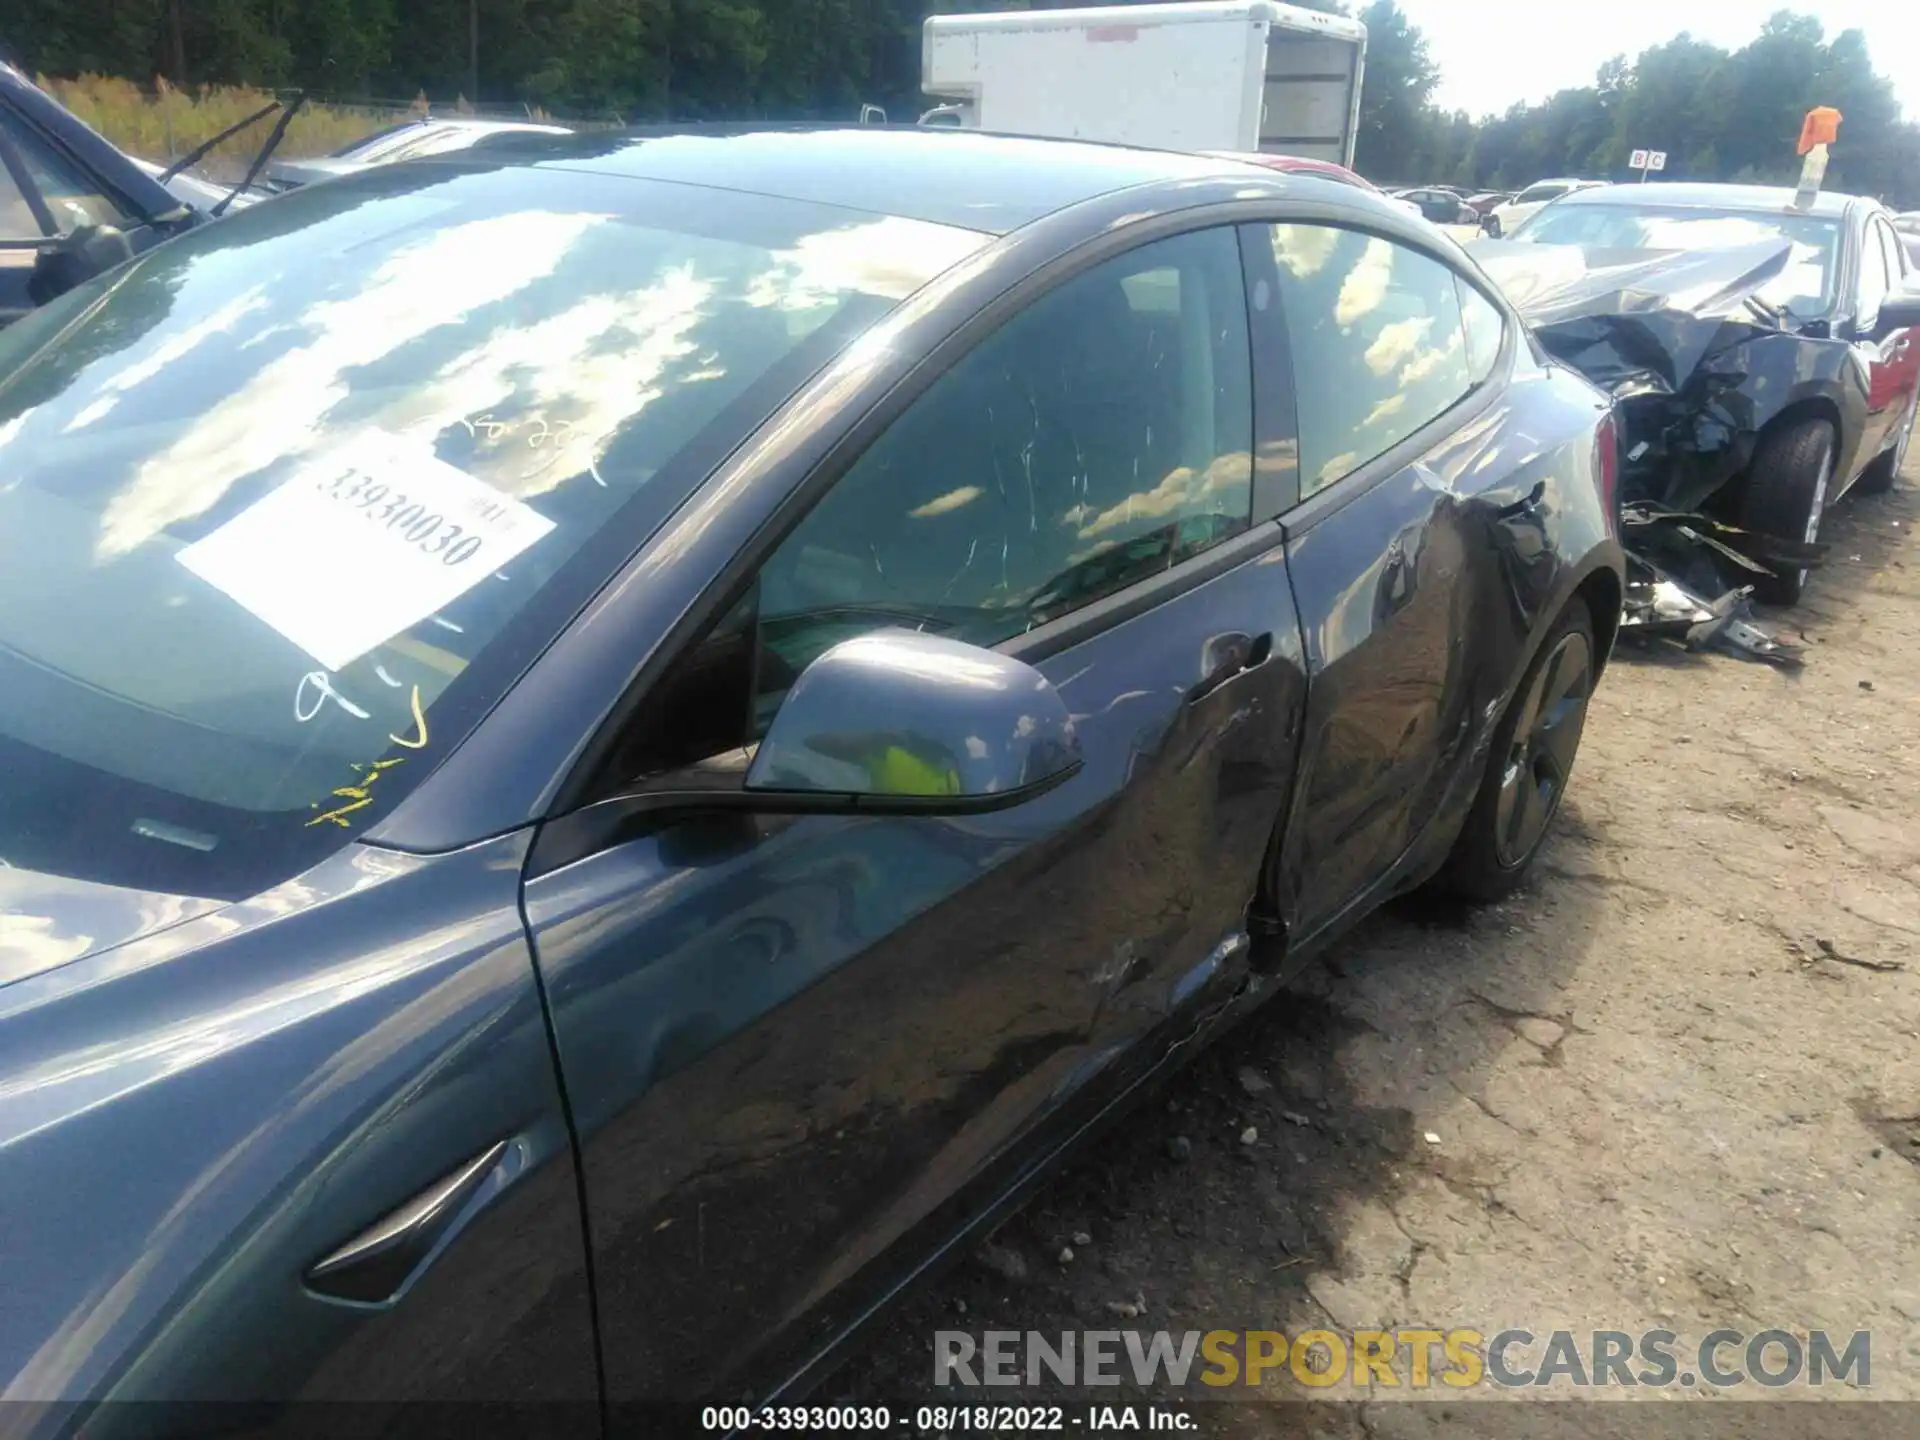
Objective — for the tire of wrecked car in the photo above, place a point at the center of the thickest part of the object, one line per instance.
(1786, 495)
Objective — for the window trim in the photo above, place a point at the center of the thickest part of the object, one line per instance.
(1896, 255)
(1872, 259)
(1307, 511)
(14, 164)
(1276, 420)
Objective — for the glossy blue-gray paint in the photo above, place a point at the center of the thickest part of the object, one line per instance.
(972, 179)
(190, 1119)
(801, 1053)
(981, 723)
(869, 1017)
(1414, 645)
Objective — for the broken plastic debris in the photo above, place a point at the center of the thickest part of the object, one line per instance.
(1657, 605)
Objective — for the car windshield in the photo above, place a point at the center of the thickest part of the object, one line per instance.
(1804, 287)
(290, 500)
(1539, 194)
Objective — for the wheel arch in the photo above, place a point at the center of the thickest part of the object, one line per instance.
(1604, 595)
(1809, 407)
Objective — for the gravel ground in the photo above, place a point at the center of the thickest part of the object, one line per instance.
(1643, 1093)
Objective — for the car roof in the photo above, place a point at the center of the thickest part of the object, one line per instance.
(969, 179)
(1682, 195)
(1295, 165)
(400, 136)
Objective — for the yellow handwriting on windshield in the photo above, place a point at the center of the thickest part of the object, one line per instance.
(359, 796)
(419, 723)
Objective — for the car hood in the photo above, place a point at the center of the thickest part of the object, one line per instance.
(1557, 282)
(47, 921)
(1637, 320)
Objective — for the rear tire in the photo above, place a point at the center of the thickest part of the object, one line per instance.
(1529, 765)
(1878, 477)
(1786, 495)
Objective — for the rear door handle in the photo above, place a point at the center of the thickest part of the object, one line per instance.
(1530, 501)
(1226, 655)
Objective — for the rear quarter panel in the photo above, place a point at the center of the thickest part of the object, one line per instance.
(1436, 677)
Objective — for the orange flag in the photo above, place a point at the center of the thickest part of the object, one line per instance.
(1821, 127)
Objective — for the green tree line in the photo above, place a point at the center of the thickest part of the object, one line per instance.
(1719, 114)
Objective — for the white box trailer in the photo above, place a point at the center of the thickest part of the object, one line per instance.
(1210, 75)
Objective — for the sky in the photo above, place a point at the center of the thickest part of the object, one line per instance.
(1494, 52)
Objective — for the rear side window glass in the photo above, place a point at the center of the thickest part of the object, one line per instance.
(1379, 346)
(1484, 326)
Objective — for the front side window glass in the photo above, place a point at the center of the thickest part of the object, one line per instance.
(1100, 436)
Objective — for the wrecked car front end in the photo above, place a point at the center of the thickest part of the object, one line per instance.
(1698, 366)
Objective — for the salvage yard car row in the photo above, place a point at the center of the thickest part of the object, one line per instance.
(575, 824)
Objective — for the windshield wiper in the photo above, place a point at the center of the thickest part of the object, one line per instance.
(201, 150)
(273, 141)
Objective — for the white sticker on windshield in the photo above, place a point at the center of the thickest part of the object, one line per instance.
(368, 538)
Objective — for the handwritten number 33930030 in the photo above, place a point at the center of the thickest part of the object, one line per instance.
(429, 532)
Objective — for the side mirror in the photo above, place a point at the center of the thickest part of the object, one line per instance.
(1899, 311)
(902, 720)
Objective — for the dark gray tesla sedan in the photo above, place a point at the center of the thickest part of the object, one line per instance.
(610, 748)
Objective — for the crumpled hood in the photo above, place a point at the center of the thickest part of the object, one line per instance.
(1635, 321)
(1696, 362)
(47, 921)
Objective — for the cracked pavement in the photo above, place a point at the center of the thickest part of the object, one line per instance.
(1659, 1100)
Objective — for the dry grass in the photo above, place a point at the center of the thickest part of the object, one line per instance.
(167, 123)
